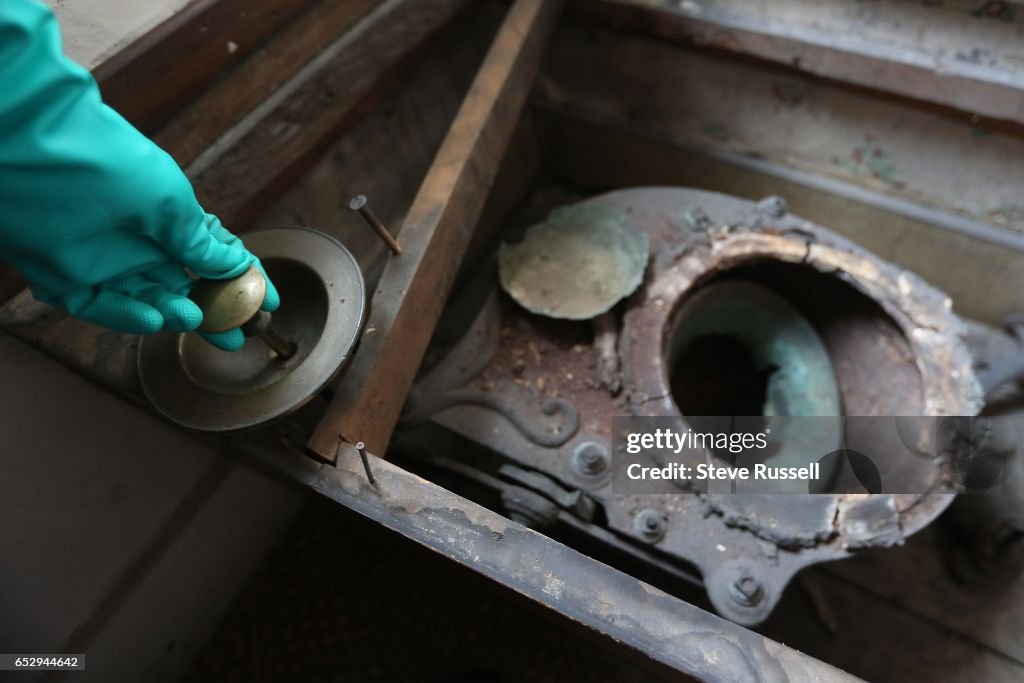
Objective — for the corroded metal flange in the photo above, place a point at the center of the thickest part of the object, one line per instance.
(323, 304)
(894, 345)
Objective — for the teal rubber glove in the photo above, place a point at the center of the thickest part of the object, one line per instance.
(100, 221)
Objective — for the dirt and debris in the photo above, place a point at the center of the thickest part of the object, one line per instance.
(548, 358)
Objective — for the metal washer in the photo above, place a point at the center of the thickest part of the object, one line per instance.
(323, 303)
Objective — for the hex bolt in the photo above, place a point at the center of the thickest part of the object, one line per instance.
(359, 203)
(590, 458)
(697, 219)
(746, 590)
(650, 525)
(774, 206)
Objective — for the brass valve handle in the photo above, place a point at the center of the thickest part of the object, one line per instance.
(227, 304)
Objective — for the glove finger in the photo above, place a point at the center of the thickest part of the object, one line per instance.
(172, 276)
(180, 313)
(112, 309)
(232, 340)
(168, 294)
(272, 300)
(222, 234)
(206, 255)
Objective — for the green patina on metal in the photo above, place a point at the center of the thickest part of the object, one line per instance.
(576, 265)
(777, 337)
(784, 347)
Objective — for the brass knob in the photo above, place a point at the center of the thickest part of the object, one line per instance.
(227, 304)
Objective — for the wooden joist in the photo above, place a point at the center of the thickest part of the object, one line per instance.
(435, 235)
(959, 54)
(210, 115)
(170, 65)
(240, 174)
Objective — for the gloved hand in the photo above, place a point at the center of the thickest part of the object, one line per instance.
(100, 221)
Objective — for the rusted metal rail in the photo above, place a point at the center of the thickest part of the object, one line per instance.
(660, 632)
(434, 237)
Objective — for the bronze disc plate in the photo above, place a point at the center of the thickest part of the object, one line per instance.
(323, 305)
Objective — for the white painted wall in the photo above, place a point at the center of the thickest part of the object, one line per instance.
(94, 30)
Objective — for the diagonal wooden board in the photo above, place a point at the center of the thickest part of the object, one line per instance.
(434, 237)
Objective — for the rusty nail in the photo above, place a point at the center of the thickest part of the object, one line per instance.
(359, 203)
(361, 447)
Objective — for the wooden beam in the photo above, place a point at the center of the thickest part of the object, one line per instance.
(960, 55)
(916, 579)
(982, 276)
(414, 286)
(170, 65)
(252, 163)
(210, 115)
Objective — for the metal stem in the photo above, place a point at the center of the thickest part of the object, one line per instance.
(278, 344)
(259, 326)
